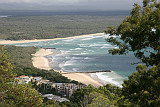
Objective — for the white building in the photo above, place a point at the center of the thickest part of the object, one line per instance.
(54, 97)
(34, 79)
(23, 79)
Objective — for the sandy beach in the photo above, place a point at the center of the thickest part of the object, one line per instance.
(39, 61)
(83, 78)
(39, 40)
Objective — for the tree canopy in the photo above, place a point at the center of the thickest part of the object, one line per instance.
(139, 33)
(12, 94)
(143, 87)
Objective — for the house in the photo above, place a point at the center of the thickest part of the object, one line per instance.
(43, 81)
(34, 79)
(23, 79)
(66, 89)
(54, 97)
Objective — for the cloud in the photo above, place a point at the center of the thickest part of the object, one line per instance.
(69, 4)
(67, 1)
(39, 1)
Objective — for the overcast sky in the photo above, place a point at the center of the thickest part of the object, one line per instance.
(67, 4)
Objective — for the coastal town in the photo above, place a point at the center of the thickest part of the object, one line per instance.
(64, 90)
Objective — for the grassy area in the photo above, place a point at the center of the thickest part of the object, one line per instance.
(42, 27)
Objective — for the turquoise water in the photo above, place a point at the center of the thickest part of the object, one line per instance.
(89, 54)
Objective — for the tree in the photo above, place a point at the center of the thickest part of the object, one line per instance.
(6, 74)
(52, 103)
(143, 87)
(23, 96)
(105, 96)
(139, 33)
(12, 94)
(81, 96)
(99, 100)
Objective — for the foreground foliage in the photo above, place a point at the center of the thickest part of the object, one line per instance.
(142, 88)
(140, 33)
(12, 94)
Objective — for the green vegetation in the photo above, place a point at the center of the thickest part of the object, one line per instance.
(140, 33)
(12, 94)
(142, 88)
(20, 56)
(97, 97)
(42, 27)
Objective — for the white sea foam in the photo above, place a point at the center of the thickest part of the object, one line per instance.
(57, 43)
(76, 49)
(87, 39)
(95, 44)
(88, 58)
(67, 63)
(74, 58)
(68, 40)
(75, 69)
(83, 53)
(70, 62)
(68, 57)
(22, 45)
(65, 52)
(107, 36)
(110, 77)
(83, 45)
(91, 51)
(107, 47)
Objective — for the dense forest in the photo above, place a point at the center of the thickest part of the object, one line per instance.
(42, 27)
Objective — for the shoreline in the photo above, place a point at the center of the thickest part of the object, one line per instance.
(40, 40)
(41, 62)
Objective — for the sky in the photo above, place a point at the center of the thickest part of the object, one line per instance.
(67, 4)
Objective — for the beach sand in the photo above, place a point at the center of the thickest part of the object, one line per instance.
(39, 61)
(84, 78)
(40, 40)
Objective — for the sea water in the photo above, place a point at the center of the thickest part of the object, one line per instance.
(86, 54)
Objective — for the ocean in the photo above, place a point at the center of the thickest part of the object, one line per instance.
(87, 54)
(15, 13)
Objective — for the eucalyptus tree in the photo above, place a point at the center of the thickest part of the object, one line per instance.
(139, 33)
